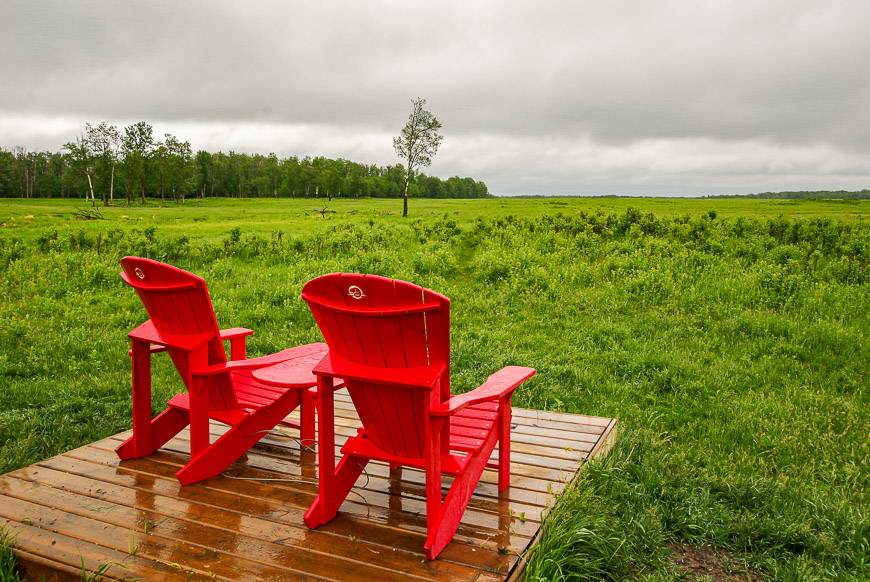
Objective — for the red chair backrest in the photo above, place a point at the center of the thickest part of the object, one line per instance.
(385, 323)
(178, 304)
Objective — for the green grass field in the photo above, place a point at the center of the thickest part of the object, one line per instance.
(729, 337)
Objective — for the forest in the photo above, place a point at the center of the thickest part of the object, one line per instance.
(109, 164)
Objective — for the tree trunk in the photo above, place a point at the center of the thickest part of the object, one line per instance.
(405, 195)
(91, 186)
(112, 185)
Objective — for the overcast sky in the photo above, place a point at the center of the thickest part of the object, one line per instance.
(655, 98)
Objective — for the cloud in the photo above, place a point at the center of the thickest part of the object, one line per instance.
(548, 97)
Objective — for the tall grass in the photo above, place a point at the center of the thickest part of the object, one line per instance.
(733, 351)
(8, 565)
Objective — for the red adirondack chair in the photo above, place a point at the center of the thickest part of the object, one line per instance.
(390, 342)
(182, 322)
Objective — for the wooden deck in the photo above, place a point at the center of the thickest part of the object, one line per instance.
(135, 521)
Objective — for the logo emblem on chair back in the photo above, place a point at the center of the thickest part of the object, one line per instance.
(139, 272)
(355, 292)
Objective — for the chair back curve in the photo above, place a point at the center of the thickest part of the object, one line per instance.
(386, 323)
(178, 304)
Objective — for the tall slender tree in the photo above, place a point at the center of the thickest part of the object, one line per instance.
(417, 144)
(137, 146)
(204, 173)
(105, 143)
(178, 166)
(82, 158)
(25, 166)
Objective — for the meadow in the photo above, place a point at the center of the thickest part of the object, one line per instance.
(728, 336)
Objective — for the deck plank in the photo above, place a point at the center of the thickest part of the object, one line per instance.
(84, 507)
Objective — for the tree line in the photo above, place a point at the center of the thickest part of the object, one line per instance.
(803, 195)
(109, 164)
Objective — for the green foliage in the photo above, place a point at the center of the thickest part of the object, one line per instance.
(97, 575)
(8, 565)
(133, 162)
(733, 349)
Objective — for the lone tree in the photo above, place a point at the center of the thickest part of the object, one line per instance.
(105, 144)
(137, 147)
(81, 157)
(418, 143)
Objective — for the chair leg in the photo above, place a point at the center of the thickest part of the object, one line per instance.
(306, 418)
(200, 439)
(324, 509)
(220, 455)
(432, 454)
(326, 503)
(216, 457)
(166, 425)
(504, 445)
(456, 501)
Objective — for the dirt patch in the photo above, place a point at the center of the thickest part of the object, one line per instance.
(719, 565)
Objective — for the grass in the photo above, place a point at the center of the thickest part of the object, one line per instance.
(211, 220)
(732, 346)
(8, 566)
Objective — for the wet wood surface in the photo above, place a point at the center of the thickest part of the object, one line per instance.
(132, 520)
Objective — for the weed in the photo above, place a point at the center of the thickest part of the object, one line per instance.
(8, 565)
(97, 575)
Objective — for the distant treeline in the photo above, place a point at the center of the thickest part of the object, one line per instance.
(817, 195)
(107, 163)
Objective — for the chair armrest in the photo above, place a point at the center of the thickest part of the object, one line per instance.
(238, 342)
(261, 362)
(236, 332)
(497, 386)
(250, 364)
(148, 333)
(421, 378)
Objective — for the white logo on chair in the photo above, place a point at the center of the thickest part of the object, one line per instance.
(355, 292)
(139, 272)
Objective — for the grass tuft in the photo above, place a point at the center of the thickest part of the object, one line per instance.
(8, 564)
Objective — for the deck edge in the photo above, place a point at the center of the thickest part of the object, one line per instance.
(602, 448)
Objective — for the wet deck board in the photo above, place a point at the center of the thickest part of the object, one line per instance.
(132, 519)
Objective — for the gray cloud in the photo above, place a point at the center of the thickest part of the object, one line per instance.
(545, 97)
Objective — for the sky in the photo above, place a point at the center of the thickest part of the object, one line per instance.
(678, 98)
